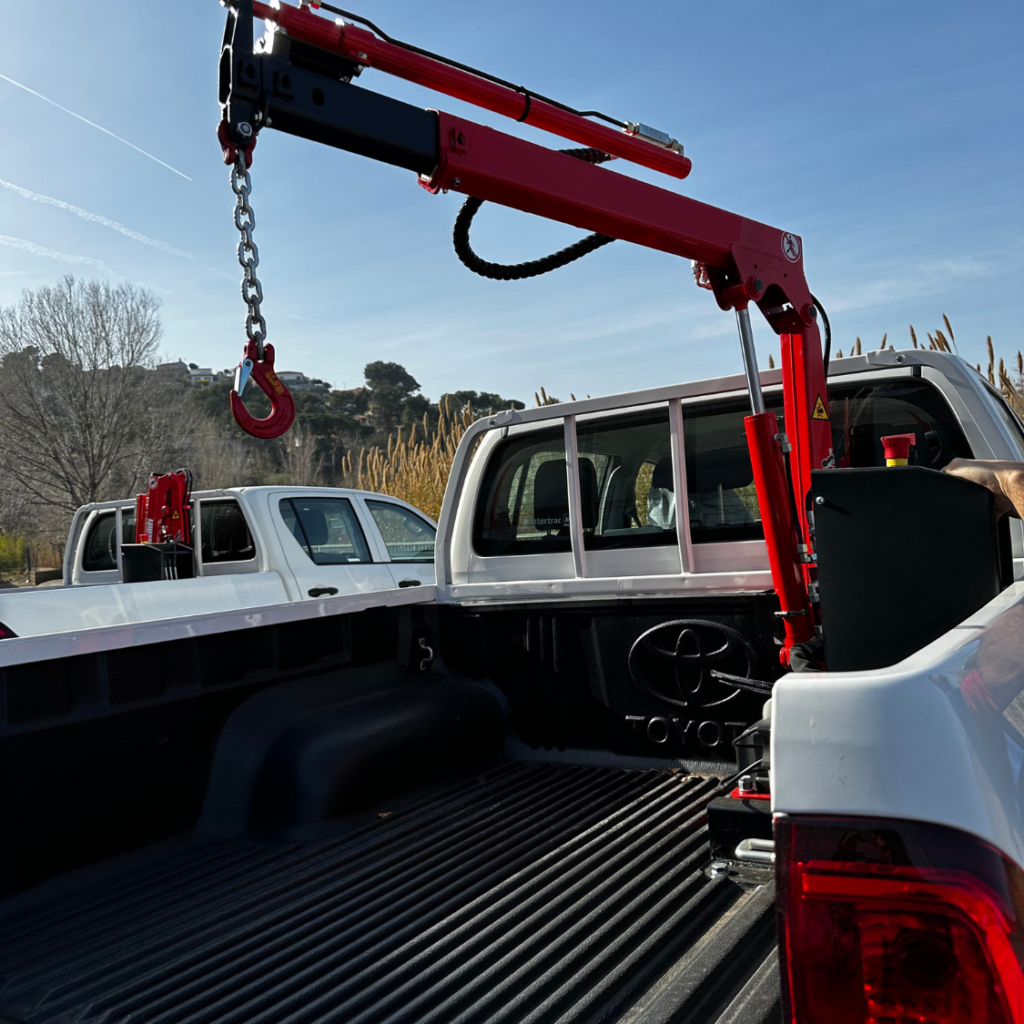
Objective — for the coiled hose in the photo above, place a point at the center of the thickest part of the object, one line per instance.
(532, 268)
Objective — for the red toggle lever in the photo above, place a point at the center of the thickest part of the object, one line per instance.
(282, 405)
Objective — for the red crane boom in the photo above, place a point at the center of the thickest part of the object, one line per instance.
(301, 82)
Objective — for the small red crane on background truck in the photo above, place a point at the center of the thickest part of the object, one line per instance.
(162, 512)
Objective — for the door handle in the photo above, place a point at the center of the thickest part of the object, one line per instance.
(408, 583)
(320, 591)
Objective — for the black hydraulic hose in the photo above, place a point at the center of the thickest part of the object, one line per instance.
(532, 268)
(792, 494)
(828, 334)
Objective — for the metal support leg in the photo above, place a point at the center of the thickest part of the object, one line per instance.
(750, 361)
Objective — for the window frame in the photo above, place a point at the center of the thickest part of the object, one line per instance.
(577, 547)
(81, 529)
(689, 538)
(727, 566)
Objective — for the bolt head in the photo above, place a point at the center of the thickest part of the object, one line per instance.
(819, 500)
(758, 285)
(456, 182)
(244, 129)
(808, 313)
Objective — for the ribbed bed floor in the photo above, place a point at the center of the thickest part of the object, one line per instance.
(534, 893)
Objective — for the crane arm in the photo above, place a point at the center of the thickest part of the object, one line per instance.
(299, 80)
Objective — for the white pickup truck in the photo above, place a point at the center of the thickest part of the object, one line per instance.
(509, 797)
(254, 546)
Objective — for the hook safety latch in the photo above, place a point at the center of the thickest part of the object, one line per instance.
(282, 405)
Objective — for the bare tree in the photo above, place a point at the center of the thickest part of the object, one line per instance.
(302, 459)
(225, 457)
(83, 416)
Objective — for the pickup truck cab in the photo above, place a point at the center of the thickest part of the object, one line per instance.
(530, 793)
(255, 546)
(519, 537)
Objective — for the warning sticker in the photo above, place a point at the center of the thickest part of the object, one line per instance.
(819, 410)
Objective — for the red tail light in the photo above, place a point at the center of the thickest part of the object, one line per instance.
(887, 922)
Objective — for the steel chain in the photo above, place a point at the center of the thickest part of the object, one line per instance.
(248, 254)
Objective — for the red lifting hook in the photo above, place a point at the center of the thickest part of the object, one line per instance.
(282, 405)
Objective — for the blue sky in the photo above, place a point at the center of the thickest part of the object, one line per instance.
(889, 135)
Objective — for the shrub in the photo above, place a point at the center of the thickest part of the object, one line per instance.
(12, 554)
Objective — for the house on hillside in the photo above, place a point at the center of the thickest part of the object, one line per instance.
(198, 376)
(296, 381)
(177, 369)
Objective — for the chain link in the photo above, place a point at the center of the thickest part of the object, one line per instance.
(248, 254)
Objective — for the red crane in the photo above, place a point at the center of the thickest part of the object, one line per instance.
(300, 80)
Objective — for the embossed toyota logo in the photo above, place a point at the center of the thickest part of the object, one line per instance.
(674, 660)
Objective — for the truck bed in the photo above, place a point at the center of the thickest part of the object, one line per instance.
(529, 893)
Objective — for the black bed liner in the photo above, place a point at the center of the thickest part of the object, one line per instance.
(532, 893)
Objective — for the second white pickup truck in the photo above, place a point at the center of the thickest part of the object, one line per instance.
(255, 546)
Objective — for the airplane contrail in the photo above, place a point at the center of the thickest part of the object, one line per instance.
(220, 273)
(53, 254)
(95, 218)
(95, 125)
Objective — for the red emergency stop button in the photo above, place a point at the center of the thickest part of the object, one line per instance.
(897, 448)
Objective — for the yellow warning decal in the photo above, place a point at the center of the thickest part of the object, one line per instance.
(175, 514)
(819, 410)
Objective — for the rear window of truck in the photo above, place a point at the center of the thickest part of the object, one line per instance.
(625, 469)
(625, 484)
(225, 533)
(523, 506)
(100, 552)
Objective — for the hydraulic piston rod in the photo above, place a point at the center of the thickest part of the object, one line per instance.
(750, 361)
